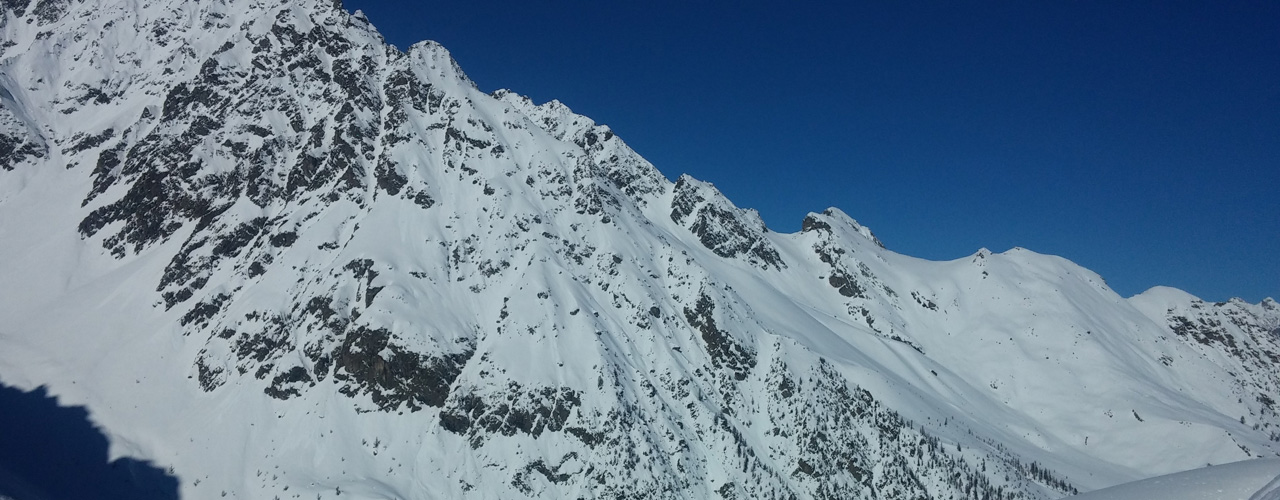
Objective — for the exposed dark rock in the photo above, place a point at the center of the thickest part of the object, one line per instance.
(812, 223)
(727, 233)
(266, 344)
(151, 210)
(284, 239)
(401, 377)
(89, 142)
(104, 171)
(389, 179)
(725, 351)
(14, 150)
(18, 7)
(1205, 331)
(924, 302)
(423, 200)
(203, 311)
(230, 244)
(685, 201)
(514, 410)
(280, 388)
(49, 11)
(210, 376)
(846, 284)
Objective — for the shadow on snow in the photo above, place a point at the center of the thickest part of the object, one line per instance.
(51, 452)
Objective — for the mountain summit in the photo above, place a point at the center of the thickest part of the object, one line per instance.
(270, 251)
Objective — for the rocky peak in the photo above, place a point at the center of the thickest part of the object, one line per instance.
(435, 64)
(835, 218)
(720, 226)
(262, 224)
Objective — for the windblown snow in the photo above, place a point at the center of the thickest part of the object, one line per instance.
(286, 259)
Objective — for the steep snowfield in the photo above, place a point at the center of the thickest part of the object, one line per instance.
(1257, 479)
(285, 259)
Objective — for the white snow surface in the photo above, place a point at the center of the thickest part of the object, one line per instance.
(270, 251)
(1257, 479)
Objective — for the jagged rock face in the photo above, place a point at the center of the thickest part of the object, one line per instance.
(1242, 336)
(330, 237)
(16, 142)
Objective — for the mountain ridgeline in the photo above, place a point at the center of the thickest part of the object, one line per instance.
(285, 259)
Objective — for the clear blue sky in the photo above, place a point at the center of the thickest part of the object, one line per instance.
(1138, 139)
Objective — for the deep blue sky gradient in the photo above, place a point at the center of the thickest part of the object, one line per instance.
(1138, 139)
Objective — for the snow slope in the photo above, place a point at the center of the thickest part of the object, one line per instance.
(286, 259)
(1257, 479)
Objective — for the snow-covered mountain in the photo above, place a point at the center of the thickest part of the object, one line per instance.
(285, 259)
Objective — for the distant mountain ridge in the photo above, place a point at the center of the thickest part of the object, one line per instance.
(269, 250)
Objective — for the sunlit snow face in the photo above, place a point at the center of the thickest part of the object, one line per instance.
(268, 251)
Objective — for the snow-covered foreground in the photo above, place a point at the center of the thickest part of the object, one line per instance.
(1245, 480)
(269, 251)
